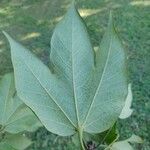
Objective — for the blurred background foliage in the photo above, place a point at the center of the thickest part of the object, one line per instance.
(32, 22)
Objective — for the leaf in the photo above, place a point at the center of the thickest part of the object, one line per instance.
(111, 135)
(75, 141)
(78, 95)
(121, 146)
(127, 111)
(106, 137)
(15, 116)
(5, 146)
(135, 139)
(17, 141)
(14, 142)
(125, 145)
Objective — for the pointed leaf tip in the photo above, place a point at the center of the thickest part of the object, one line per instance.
(72, 7)
(6, 34)
(73, 3)
(126, 144)
(9, 38)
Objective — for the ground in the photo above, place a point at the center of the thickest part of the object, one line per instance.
(32, 22)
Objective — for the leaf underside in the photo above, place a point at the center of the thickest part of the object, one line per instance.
(79, 93)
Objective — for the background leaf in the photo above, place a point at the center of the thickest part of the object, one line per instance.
(15, 116)
(121, 146)
(127, 111)
(135, 139)
(5, 146)
(17, 141)
(14, 142)
(125, 145)
(104, 138)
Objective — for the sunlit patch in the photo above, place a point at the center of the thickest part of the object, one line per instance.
(58, 19)
(3, 11)
(31, 35)
(96, 48)
(89, 12)
(1, 50)
(144, 3)
(1, 43)
(6, 11)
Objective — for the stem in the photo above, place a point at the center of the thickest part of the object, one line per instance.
(81, 138)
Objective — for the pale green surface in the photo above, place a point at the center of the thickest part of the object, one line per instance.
(109, 83)
(73, 59)
(14, 115)
(127, 111)
(21, 18)
(121, 146)
(59, 98)
(125, 145)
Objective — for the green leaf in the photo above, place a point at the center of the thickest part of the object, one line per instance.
(17, 141)
(14, 142)
(111, 135)
(121, 146)
(127, 111)
(135, 139)
(125, 145)
(106, 137)
(79, 95)
(5, 146)
(75, 141)
(15, 116)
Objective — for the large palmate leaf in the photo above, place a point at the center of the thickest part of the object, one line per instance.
(80, 94)
(15, 116)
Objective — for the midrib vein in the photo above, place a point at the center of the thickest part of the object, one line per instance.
(50, 96)
(73, 81)
(99, 86)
